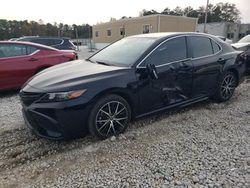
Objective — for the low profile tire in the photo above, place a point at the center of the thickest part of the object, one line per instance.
(110, 116)
(226, 87)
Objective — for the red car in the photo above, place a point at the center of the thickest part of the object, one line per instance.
(21, 60)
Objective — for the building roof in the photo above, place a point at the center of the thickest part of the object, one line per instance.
(143, 17)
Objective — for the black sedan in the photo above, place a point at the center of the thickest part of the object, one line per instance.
(131, 78)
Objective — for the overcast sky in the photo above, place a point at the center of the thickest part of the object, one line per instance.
(93, 11)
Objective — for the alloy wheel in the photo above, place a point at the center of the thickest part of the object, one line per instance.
(228, 86)
(111, 119)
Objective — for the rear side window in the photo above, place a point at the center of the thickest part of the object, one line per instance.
(201, 46)
(31, 49)
(56, 41)
(216, 47)
(41, 41)
(170, 51)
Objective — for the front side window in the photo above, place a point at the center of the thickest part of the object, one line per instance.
(145, 29)
(12, 50)
(201, 46)
(170, 51)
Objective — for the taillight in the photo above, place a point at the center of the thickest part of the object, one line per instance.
(243, 56)
(70, 56)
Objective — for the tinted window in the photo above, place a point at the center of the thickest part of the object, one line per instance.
(31, 49)
(56, 41)
(12, 50)
(216, 47)
(201, 46)
(41, 41)
(170, 51)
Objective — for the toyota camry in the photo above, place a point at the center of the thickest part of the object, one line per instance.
(133, 77)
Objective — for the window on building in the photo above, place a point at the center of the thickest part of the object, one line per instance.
(201, 46)
(145, 29)
(230, 35)
(122, 31)
(109, 32)
(241, 35)
(96, 34)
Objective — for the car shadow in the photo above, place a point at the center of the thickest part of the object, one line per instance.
(8, 93)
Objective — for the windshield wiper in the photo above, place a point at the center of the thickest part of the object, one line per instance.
(90, 61)
(103, 63)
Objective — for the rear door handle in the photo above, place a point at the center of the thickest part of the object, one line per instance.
(33, 59)
(221, 59)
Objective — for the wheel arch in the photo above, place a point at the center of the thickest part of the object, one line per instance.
(39, 69)
(234, 71)
(131, 100)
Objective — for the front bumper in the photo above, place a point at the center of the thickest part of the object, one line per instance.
(59, 120)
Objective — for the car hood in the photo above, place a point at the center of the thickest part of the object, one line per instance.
(66, 76)
(240, 45)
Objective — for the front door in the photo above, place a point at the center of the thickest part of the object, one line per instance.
(174, 83)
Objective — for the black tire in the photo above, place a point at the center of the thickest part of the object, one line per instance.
(226, 87)
(110, 116)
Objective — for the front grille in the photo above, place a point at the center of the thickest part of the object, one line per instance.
(28, 98)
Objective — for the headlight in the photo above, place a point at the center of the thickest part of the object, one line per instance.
(62, 96)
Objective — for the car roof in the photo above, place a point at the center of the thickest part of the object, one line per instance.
(29, 43)
(42, 37)
(162, 35)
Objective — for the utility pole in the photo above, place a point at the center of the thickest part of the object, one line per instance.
(77, 39)
(205, 23)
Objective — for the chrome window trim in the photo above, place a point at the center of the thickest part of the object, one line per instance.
(212, 48)
(192, 35)
(21, 55)
(59, 43)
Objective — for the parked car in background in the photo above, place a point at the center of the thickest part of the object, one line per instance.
(244, 45)
(225, 39)
(131, 78)
(21, 60)
(56, 42)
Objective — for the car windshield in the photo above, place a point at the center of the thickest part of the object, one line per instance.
(124, 52)
(245, 39)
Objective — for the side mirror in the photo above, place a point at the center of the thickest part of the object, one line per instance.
(152, 71)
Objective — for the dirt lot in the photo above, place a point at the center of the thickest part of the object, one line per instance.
(204, 145)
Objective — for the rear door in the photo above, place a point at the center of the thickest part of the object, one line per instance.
(207, 64)
(16, 64)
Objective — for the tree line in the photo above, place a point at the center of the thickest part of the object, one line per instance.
(220, 12)
(14, 29)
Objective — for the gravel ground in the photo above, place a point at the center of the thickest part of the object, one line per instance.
(204, 145)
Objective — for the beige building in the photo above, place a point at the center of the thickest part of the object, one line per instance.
(109, 32)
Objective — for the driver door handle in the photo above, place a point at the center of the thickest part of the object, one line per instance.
(33, 59)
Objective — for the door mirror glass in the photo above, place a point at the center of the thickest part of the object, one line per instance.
(152, 72)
